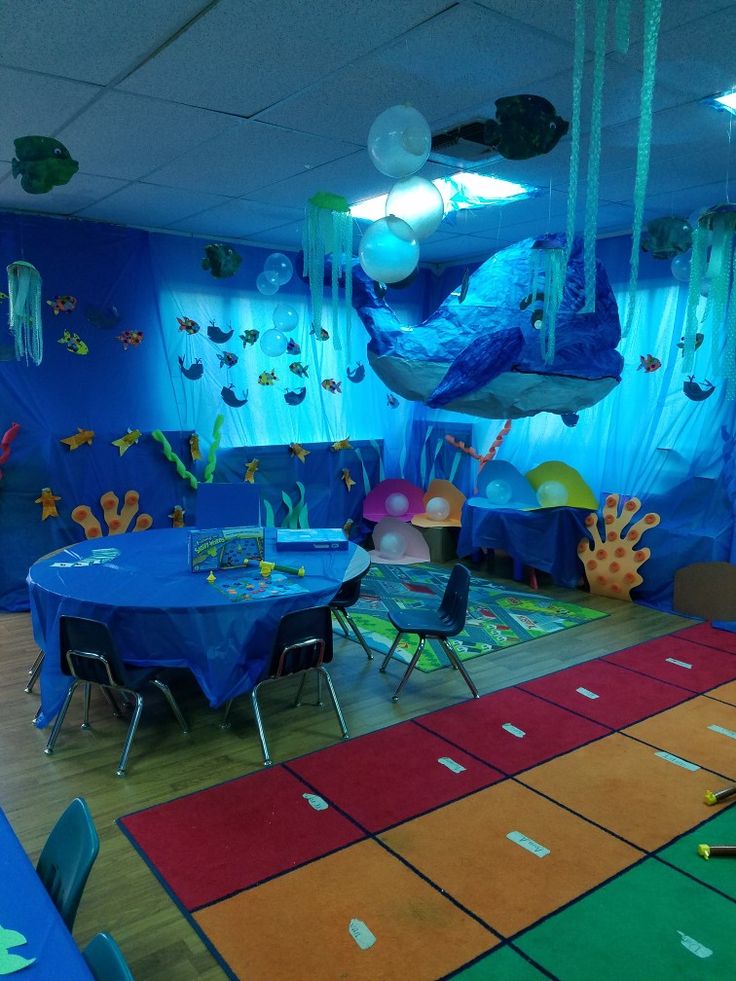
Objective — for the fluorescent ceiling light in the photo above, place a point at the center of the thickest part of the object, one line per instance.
(725, 101)
(461, 191)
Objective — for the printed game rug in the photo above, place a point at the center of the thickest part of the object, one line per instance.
(497, 617)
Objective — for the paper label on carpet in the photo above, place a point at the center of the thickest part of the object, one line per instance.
(361, 934)
(519, 733)
(723, 732)
(451, 764)
(685, 764)
(693, 946)
(587, 693)
(315, 801)
(531, 846)
(680, 664)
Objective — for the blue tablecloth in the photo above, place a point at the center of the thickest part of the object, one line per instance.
(546, 539)
(161, 613)
(25, 907)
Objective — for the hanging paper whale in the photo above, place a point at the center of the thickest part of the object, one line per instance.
(356, 374)
(194, 371)
(230, 398)
(295, 396)
(696, 392)
(218, 336)
(484, 358)
(42, 163)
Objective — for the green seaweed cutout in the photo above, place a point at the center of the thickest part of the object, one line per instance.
(379, 454)
(173, 458)
(209, 471)
(270, 519)
(366, 479)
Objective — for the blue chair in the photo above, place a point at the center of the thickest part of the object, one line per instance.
(348, 595)
(105, 959)
(228, 505)
(303, 643)
(447, 621)
(67, 858)
(88, 656)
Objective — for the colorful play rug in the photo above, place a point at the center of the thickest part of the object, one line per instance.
(497, 617)
(550, 827)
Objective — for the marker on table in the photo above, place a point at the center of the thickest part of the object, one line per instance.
(705, 851)
(716, 798)
(268, 567)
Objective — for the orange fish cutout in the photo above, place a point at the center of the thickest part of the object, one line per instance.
(297, 450)
(341, 444)
(194, 449)
(177, 516)
(81, 437)
(250, 470)
(347, 479)
(48, 500)
(126, 441)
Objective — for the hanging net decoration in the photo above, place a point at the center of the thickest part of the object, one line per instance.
(24, 290)
(547, 269)
(577, 91)
(594, 154)
(328, 231)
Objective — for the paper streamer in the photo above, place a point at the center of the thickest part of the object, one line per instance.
(209, 470)
(173, 458)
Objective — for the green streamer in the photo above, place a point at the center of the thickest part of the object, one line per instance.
(622, 23)
(173, 458)
(366, 480)
(270, 518)
(379, 454)
(209, 470)
(594, 155)
(554, 285)
(730, 344)
(697, 268)
(577, 89)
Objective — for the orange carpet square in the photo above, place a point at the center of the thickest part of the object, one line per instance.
(509, 855)
(628, 788)
(357, 915)
(702, 731)
(725, 693)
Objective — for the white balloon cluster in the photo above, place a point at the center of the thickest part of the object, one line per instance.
(399, 142)
(277, 270)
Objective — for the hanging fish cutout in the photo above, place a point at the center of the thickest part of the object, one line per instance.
(177, 516)
(81, 437)
(48, 500)
(62, 304)
(102, 317)
(230, 398)
(391, 401)
(664, 238)
(194, 371)
(227, 359)
(347, 479)
(525, 126)
(292, 347)
(695, 392)
(218, 336)
(297, 450)
(299, 369)
(188, 325)
(251, 469)
(341, 444)
(73, 343)
(130, 338)
(194, 450)
(267, 378)
(648, 363)
(221, 260)
(42, 163)
(699, 338)
(356, 374)
(331, 385)
(249, 337)
(125, 442)
(321, 334)
(295, 396)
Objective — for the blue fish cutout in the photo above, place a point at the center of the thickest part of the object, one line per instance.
(218, 336)
(696, 392)
(230, 398)
(356, 374)
(295, 397)
(194, 371)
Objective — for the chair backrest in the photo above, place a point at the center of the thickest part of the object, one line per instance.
(454, 606)
(105, 959)
(67, 857)
(88, 652)
(349, 593)
(303, 640)
(228, 505)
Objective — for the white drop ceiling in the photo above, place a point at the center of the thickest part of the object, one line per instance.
(220, 119)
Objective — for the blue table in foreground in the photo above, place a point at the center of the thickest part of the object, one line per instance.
(546, 539)
(160, 613)
(26, 907)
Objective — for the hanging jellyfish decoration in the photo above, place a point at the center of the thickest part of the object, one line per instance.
(547, 268)
(328, 231)
(24, 316)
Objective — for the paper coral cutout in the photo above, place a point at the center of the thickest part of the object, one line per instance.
(612, 565)
(117, 521)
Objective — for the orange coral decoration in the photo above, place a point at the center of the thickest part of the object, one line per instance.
(117, 521)
(487, 457)
(611, 566)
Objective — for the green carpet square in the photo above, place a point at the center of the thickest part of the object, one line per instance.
(502, 965)
(717, 872)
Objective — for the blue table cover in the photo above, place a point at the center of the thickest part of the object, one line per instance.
(160, 613)
(26, 907)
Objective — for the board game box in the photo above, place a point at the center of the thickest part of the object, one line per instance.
(311, 539)
(224, 548)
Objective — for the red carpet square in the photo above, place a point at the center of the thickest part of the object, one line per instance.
(680, 662)
(706, 633)
(512, 729)
(394, 774)
(241, 832)
(606, 693)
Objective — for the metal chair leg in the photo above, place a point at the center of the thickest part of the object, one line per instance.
(454, 659)
(113, 704)
(60, 719)
(412, 665)
(336, 704)
(390, 654)
(319, 689)
(87, 694)
(34, 672)
(163, 687)
(337, 614)
(259, 723)
(361, 639)
(225, 724)
(123, 764)
(298, 699)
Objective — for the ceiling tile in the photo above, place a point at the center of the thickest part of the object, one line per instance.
(148, 205)
(81, 191)
(37, 105)
(237, 219)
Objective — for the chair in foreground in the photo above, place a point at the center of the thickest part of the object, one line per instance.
(348, 595)
(105, 959)
(67, 858)
(88, 656)
(303, 644)
(34, 671)
(447, 621)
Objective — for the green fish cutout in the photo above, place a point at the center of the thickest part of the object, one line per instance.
(10, 963)
(525, 126)
(221, 260)
(43, 163)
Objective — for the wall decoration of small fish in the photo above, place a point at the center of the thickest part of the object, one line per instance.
(302, 370)
(341, 444)
(227, 359)
(130, 338)
(81, 437)
(292, 347)
(297, 450)
(697, 392)
(125, 442)
(648, 363)
(48, 500)
(249, 337)
(102, 317)
(218, 336)
(230, 398)
(62, 304)
(42, 163)
(321, 334)
(295, 396)
(525, 126)
(194, 371)
(356, 374)
(73, 343)
(251, 468)
(188, 325)
(194, 450)
(347, 479)
(221, 260)
(699, 338)
(330, 385)
(177, 516)
(267, 378)
(391, 401)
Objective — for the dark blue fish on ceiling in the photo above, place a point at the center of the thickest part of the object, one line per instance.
(221, 260)
(42, 163)
(217, 335)
(525, 126)
(194, 371)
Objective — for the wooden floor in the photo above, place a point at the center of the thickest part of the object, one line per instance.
(122, 896)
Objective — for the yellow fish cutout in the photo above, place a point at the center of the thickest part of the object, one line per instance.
(251, 468)
(81, 437)
(347, 479)
(48, 500)
(297, 450)
(194, 446)
(125, 442)
(177, 516)
(341, 444)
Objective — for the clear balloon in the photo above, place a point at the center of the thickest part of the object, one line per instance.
(278, 268)
(265, 285)
(680, 267)
(438, 508)
(391, 545)
(498, 492)
(552, 494)
(285, 318)
(389, 252)
(397, 504)
(419, 203)
(399, 141)
(274, 343)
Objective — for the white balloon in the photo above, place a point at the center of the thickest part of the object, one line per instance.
(391, 545)
(498, 492)
(419, 203)
(389, 251)
(397, 504)
(266, 285)
(552, 494)
(438, 508)
(399, 141)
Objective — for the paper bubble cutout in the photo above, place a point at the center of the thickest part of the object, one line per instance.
(398, 543)
(399, 141)
(397, 505)
(443, 505)
(285, 318)
(375, 503)
(265, 285)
